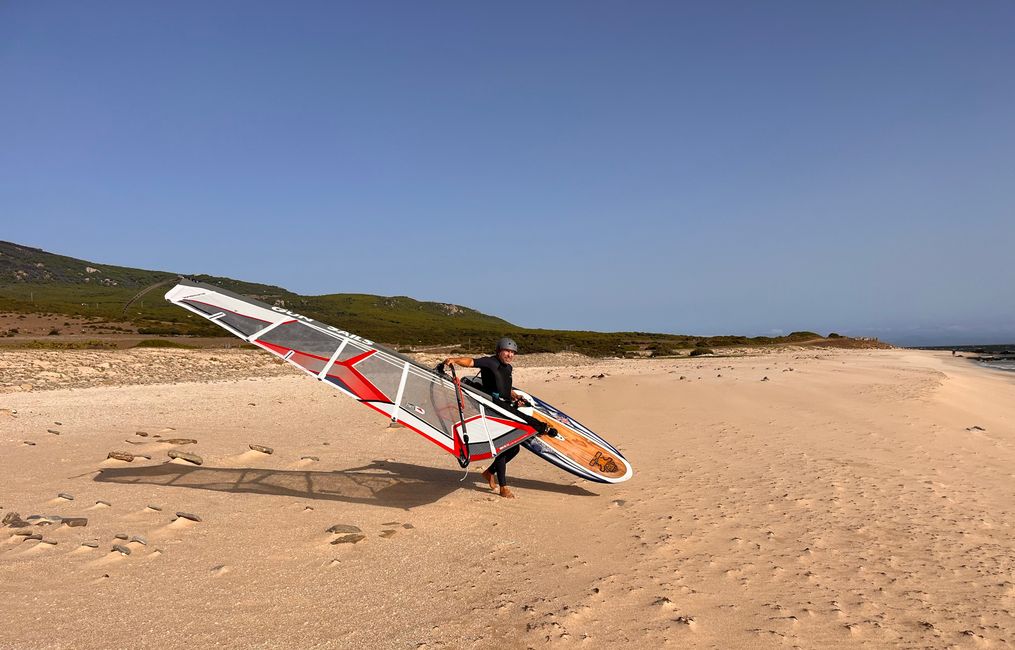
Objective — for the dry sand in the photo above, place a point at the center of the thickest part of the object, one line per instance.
(860, 498)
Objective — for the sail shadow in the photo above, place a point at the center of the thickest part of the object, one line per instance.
(383, 483)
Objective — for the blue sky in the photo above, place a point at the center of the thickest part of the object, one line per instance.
(696, 168)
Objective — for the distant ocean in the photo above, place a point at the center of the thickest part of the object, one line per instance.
(999, 357)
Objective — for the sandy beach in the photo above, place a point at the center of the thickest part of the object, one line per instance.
(798, 498)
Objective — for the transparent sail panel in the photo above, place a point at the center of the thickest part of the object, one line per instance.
(297, 336)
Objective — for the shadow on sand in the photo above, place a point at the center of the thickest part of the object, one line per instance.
(382, 483)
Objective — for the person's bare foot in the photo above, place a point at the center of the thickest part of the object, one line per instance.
(506, 493)
(490, 478)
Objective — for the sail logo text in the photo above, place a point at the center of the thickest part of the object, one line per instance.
(349, 335)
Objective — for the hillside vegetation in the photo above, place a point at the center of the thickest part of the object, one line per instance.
(35, 281)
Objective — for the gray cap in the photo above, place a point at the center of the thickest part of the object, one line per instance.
(507, 344)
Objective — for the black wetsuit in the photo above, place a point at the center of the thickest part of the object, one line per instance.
(496, 377)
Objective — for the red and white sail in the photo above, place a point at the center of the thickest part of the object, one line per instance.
(386, 381)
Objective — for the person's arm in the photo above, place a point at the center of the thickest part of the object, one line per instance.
(465, 362)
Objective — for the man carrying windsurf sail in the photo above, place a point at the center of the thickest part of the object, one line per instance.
(495, 374)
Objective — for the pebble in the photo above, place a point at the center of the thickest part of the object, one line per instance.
(44, 520)
(344, 528)
(64, 495)
(188, 515)
(155, 508)
(182, 455)
(122, 536)
(391, 523)
(121, 549)
(90, 544)
(13, 520)
(24, 533)
(35, 536)
(51, 542)
(262, 449)
(310, 458)
(100, 502)
(75, 522)
(180, 441)
(53, 431)
(140, 540)
(349, 539)
(143, 434)
(121, 455)
(764, 379)
(408, 526)
(29, 443)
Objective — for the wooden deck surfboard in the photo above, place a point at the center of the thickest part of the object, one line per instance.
(575, 448)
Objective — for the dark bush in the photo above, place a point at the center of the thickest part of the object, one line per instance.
(700, 351)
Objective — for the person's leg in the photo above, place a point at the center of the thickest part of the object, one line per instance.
(502, 462)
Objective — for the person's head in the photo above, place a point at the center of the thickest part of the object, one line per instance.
(506, 349)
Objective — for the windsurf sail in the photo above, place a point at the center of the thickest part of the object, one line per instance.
(388, 382)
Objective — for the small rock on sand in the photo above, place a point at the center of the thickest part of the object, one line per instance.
(155, 508)
(314, 458)
(143, 434)
(188, 515)
(122, 536)
(75, 522)
(349, 539)
(53, 431)
(344, 528)
(90, 544)
(44, 520)
(100, 502)
(29, 443)
(182, 455)
(121, 549)
(179, 441)
(64, 495)
(121, 455)
(140, 540)
(262, 449)
(14, 520)
(408, 526)
(388, 533)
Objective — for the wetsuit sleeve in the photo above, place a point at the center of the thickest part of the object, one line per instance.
(485, 362)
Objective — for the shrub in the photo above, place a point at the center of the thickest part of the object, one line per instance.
(54, 332)
(700, 351)
(833, 335)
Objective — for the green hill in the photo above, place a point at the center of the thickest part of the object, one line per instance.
(35, 281)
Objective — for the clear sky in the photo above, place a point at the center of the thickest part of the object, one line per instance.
(704, 168)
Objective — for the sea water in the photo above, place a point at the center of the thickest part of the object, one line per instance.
(998, 357)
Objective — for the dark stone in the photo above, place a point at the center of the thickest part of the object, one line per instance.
(143, 434)
(344, 528)
(100, 502)
(35, 536)
(390, 523)
(53, 431)
(121, 455)
(408, 526)
(262, 449)
(75, 522)
(155, 508)
(140, 540)
(90, 544)
(122, 536)
(349, 539)
(764, 379)
(64, 495)
(180, 441)
(182, 455)
(44, 520)
(121, 549)
(309, 458)
(188, 515)
(29, 443)
(14, 520)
